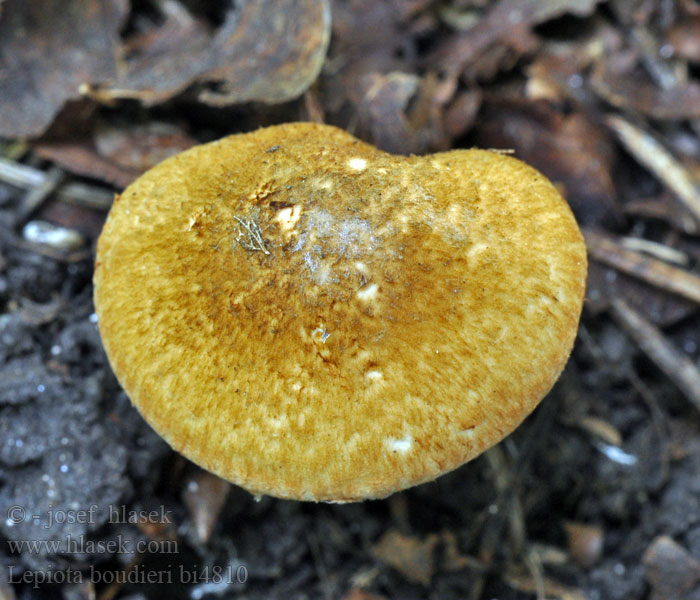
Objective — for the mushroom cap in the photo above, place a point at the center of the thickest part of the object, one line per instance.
(311, 318)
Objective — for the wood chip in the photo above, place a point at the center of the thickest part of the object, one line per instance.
(204, 495)
(585, 543)
(670, 569)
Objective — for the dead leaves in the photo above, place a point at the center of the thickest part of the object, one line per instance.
(265, 50)
(52, 51)
(48, 49)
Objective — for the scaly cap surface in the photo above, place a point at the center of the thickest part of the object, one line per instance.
(312, 318)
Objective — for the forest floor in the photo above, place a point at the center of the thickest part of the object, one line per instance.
(596, 495)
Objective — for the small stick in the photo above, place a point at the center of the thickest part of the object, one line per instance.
(653, 155)
(679, 368)
(38, 195)
(27, 178)
(652, 270)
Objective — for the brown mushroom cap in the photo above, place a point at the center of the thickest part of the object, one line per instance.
(312, 318)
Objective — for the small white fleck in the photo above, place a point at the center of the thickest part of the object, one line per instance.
(192, 487)
(616, 454)
(361, 267)
(374, 375)
(19, 443)
(619, 569)
(64, 468)
(288, 217)
(93, 318)
(358, 164)
(369, 292)
(575, 81)
(666, 51)
(41, 388)
(403, 445)
(56, 350)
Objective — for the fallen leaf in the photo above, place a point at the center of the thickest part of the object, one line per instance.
(505, 20)
(461, 113)
(265, 50)
(413, 557)
(117, 155)
(639, 94)
(81, 158)
(384, 117)
(48, 49)
(140, 147)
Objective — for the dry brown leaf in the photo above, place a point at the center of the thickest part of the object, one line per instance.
(48, 48)
(140, 147)
(509, 20)
(384, 118)
(460, 115)
(266, 50)
(82, 159)
(117, 155)
(413, 557)
(631, 92)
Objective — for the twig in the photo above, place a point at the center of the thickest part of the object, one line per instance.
(651, 270)
(653, 155)
(679, 368)
(27, 178)
(37, 196)
(250, 235)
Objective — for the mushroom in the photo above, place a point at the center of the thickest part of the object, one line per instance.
(311, 318)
